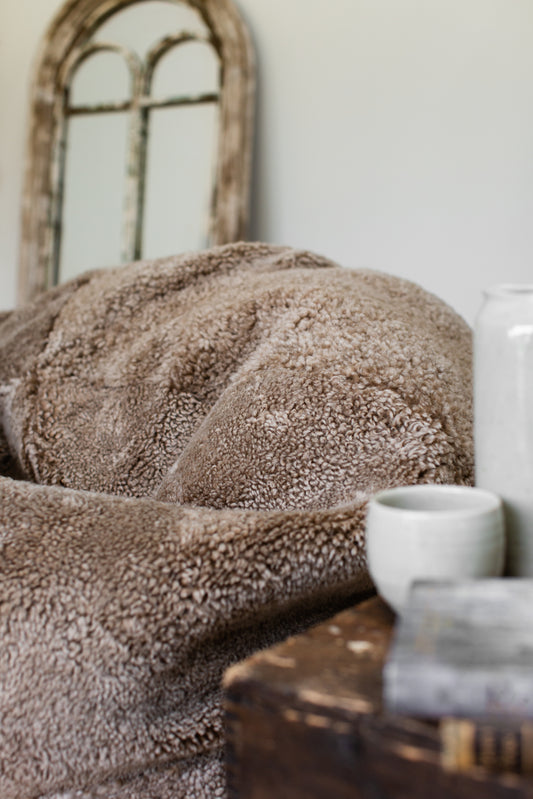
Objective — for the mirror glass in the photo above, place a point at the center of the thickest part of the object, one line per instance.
(96, 155)
(181, 142)
(94, 193)
(141, 25)
(181, 153)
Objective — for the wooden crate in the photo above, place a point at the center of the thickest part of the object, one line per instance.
(305, 721)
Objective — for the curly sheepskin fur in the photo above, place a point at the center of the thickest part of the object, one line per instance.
(187, 447)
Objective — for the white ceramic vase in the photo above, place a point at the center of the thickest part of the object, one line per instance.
(503, 413)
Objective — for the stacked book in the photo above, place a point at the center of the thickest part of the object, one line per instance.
(462, 653)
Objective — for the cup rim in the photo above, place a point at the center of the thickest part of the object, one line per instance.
(488, 500)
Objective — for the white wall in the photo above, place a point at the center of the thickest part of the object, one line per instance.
(391, 134)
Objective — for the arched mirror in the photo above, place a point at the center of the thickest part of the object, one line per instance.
(140, 139)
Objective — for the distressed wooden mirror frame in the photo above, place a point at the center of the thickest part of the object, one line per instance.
(67, 44)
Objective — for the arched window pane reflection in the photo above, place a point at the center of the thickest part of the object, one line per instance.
(141, 25)
(102, 78)
(93, 192)
(192, 68)
(180, 165)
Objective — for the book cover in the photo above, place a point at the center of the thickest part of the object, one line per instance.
(497, 745)
(463, 649)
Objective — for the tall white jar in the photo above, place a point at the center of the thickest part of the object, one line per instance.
(503, 413)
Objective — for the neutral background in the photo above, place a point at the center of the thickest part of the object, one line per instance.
(391, 134)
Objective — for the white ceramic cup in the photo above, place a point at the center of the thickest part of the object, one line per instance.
(432, 532)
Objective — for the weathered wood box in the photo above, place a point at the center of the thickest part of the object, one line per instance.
(305, 721)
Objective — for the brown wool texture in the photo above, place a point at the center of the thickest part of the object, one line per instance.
(187, 447)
